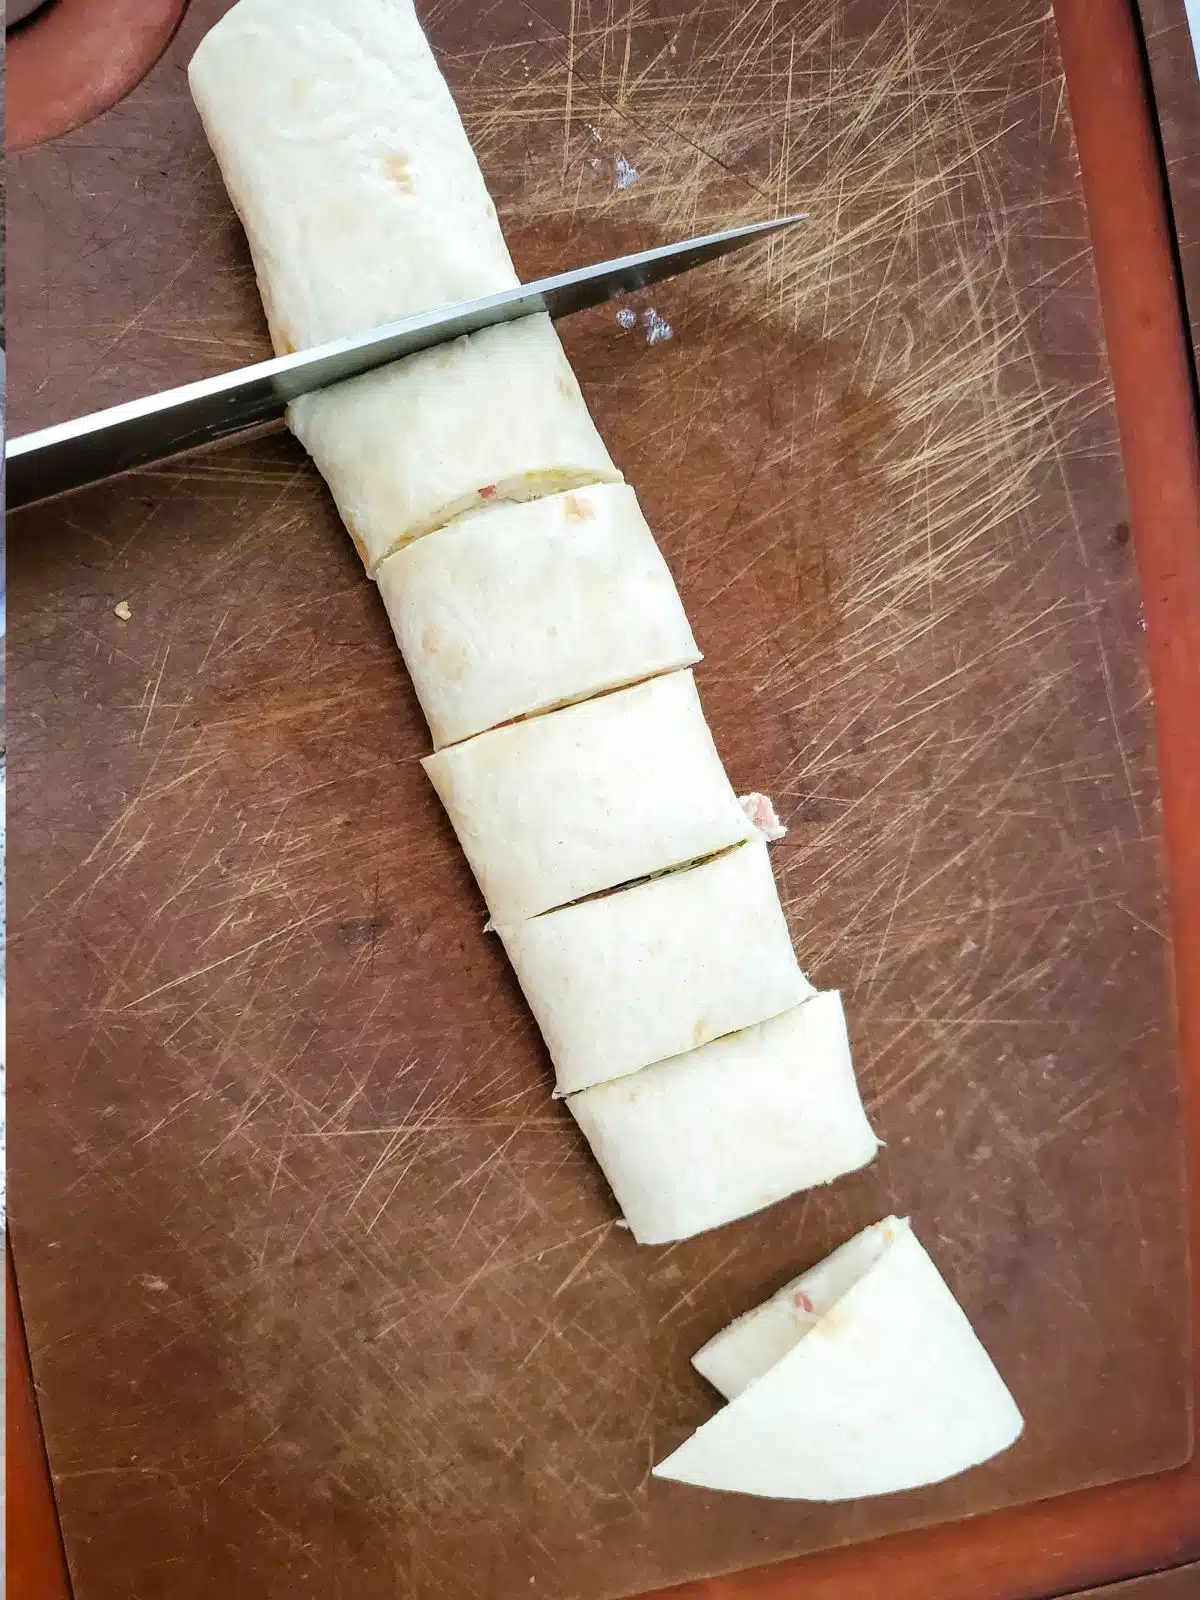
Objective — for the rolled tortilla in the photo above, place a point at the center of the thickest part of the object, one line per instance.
(521, 608)
(868, 1380)
(633, 977)
(347, 162)
(589, 797)
(362, 201)
(495, 416)
(713, 1135)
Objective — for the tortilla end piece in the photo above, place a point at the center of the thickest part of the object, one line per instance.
(723, 1131)
(752, 1343)
(348, 165)
(888, 1390)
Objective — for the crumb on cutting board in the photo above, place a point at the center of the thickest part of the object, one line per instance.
(121, 609)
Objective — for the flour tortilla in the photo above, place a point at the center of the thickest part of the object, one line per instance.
(752, 1344)
(704, 1138)
(347, 162)
(362, 201)
(645, 973)
(520, 608)
(589, 797)
(495, 416)
(887, 1390)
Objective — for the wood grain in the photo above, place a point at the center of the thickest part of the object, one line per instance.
(1131, 1528)
(289, 1074)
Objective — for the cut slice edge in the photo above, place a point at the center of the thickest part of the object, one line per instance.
(516, 489)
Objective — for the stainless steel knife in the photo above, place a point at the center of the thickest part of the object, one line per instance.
(140, 432)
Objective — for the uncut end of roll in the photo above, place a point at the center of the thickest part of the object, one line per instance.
(348, 164)
(723, 1131)
(861, 1377)
(492, 417)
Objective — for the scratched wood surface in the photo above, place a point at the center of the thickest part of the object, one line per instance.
(322, 1290)
(1180, 1583)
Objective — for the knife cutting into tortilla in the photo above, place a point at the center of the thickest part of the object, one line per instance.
(138, 433)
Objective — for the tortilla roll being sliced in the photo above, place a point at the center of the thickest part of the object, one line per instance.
(704, 1138)
(346, 160)
(362, 201)
(589, 797)
(861, 1377)
(648, 972)
(495, 416)
(521, 608)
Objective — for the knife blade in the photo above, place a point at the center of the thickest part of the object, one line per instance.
(138, 433)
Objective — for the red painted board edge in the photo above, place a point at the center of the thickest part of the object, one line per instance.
(36, 1565)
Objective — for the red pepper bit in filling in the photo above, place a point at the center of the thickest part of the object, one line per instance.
(488, 492)
(801, 1301)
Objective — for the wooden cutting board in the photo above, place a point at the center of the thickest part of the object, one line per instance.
(323, 1291)
(1181, 1583)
